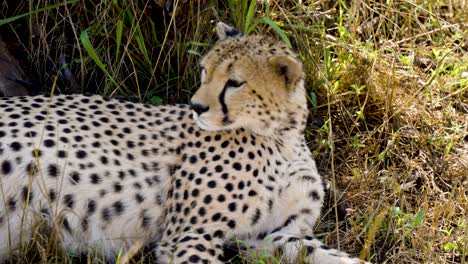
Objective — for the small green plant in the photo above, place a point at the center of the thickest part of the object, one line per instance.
(155, 100)
(406, 60)
(407, 221)
(456, 246)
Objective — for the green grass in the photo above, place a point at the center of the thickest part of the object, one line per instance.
(387, 86)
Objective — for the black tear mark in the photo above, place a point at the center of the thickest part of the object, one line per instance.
(222, 100)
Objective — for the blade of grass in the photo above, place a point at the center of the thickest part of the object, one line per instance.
(11, 19)
(267, 8)
(197, 43)
(253, 26)
(250, 15)
(84, 37)
(278, 30)
(138, 35)
(141, 44)
(118, 32)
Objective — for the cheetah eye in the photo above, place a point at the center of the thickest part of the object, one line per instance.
(203, 74)
(234, 84)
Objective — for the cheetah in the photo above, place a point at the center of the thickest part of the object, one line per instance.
(231, 165)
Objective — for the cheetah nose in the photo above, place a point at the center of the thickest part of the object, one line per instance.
(198, 108)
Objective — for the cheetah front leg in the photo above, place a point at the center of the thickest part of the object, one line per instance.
(294, 239)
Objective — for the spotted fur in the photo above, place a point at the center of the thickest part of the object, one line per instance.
(107, 173)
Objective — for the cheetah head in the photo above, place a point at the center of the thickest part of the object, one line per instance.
(250, 82)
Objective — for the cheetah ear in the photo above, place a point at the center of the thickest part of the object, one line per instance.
(288, 68)
(224, 31)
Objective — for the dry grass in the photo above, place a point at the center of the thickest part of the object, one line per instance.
(388, 95)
